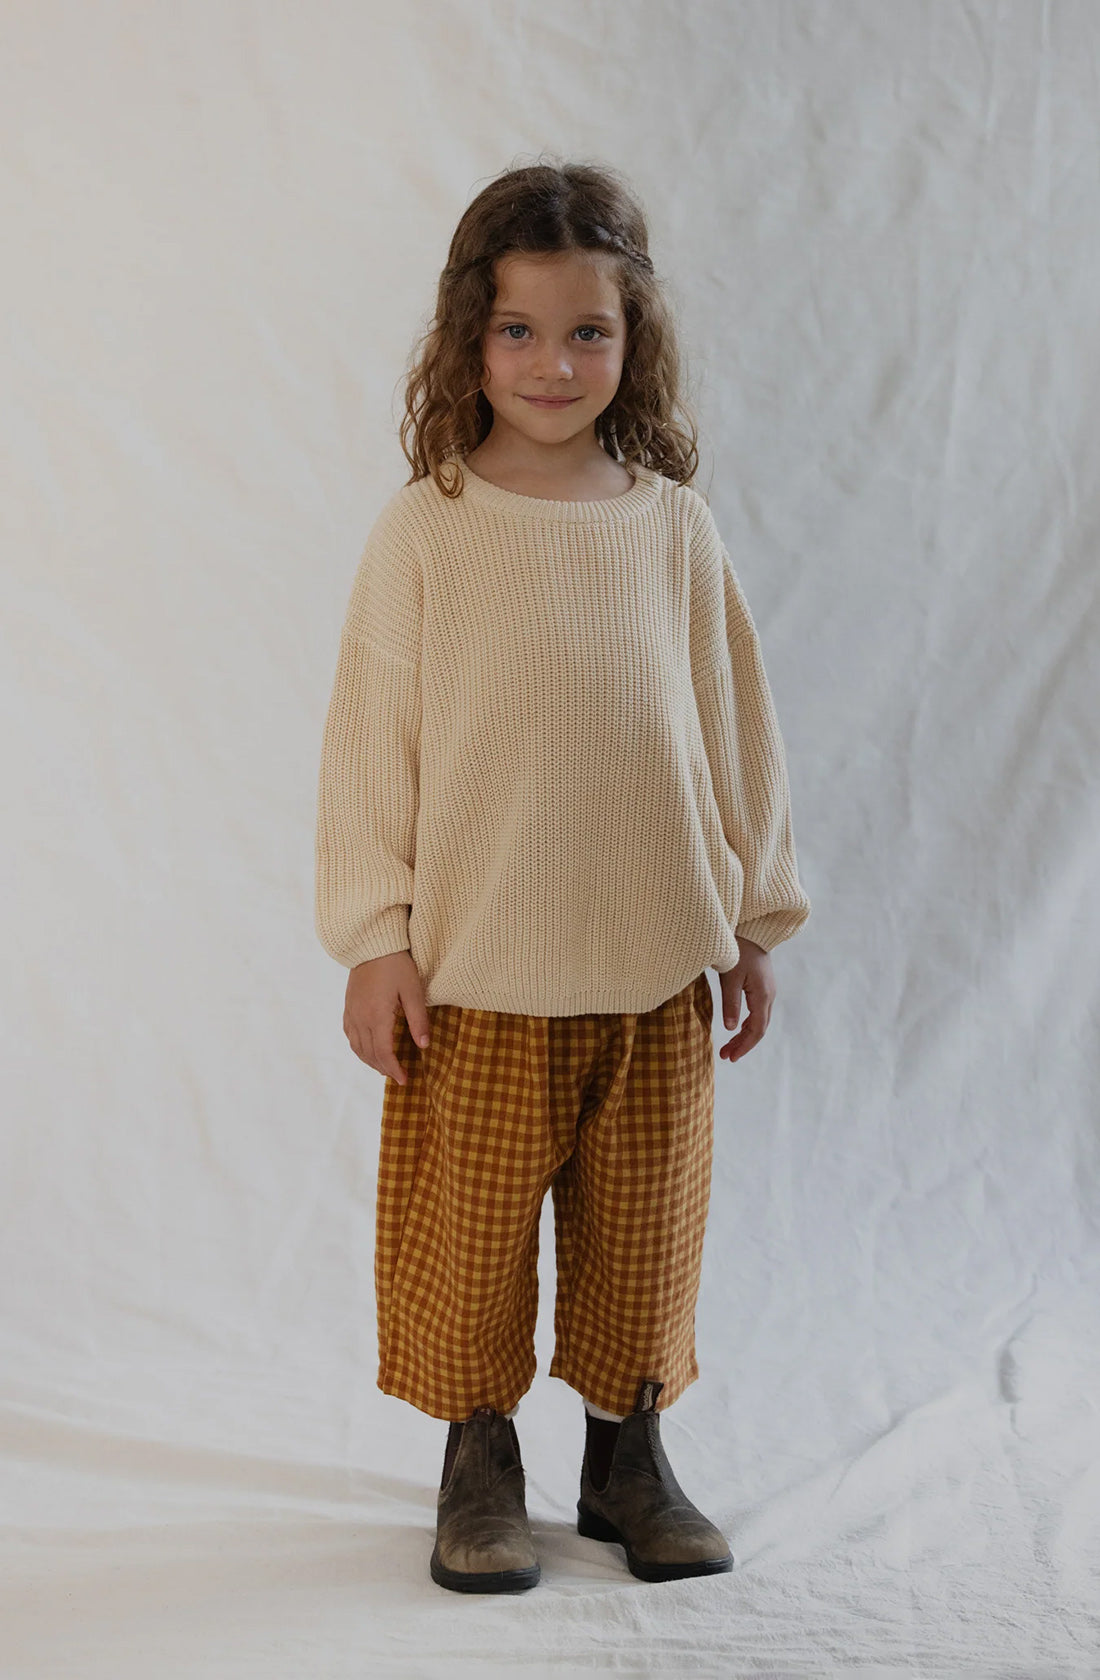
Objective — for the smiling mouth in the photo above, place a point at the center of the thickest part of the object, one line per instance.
(551, 402)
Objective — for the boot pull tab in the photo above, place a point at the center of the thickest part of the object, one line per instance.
(647, 1395)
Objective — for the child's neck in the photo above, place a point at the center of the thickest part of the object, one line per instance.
(556, 474)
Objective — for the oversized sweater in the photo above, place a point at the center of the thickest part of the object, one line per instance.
(551, 767)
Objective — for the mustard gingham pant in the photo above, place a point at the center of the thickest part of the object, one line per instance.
(614, 1113)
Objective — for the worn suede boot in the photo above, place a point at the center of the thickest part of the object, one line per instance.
(483, 1541)
(643, 1506)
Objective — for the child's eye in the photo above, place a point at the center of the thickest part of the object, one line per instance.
(520, 326)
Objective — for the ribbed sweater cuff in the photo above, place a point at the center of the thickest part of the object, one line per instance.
(773, 928)
(388, 932)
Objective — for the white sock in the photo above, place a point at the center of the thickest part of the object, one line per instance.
(598, 1411)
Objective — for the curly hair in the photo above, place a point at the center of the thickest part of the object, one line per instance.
(543, 208)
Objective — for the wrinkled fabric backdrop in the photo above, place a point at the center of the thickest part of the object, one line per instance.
(224, 224)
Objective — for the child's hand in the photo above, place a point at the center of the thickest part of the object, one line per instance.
(754, 977)
(376, 990)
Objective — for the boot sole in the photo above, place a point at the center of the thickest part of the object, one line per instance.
(490, 1580)
(595, 1527)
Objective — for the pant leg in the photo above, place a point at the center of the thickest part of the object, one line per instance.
(467, 1151)
(630, 1206)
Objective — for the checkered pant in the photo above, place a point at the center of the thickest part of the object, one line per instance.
(614, 1113)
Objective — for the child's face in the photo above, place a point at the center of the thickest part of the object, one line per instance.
(556, 330)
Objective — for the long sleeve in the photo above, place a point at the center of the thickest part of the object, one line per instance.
(749, 770)
(368, 791)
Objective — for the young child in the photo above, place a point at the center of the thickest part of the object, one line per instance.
(553, 791)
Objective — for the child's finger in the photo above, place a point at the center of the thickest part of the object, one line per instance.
(416, 1014)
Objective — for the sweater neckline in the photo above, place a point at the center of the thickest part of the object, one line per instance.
(606, 510)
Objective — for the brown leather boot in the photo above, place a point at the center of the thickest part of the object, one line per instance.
(643, 1506)
(483, 1541)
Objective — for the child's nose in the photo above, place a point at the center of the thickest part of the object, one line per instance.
(554, 364)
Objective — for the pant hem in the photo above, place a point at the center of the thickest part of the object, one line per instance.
(448, 1413)
(612, 1400)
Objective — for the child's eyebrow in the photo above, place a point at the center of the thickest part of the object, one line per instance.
(586, 314)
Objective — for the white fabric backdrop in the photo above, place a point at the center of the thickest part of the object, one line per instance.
(224, 224)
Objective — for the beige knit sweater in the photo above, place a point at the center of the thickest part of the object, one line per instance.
(551, 767)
